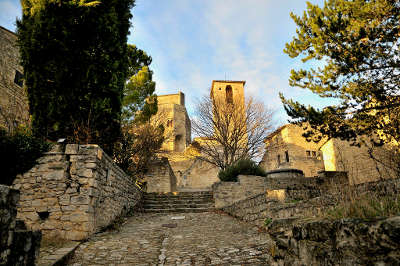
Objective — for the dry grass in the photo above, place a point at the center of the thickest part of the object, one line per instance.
(351, 203)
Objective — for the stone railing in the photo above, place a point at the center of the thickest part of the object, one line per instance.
(226, 193)
(17, 245)
(74, 191)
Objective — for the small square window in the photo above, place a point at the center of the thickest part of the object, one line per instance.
(19, 78)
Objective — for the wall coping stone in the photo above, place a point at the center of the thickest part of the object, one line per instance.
(286, 170)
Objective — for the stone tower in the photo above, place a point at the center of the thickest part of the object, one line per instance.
(177, 133)
(228, 91)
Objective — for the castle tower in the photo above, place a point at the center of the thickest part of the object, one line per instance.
(228, 91)
(227, 94)
(177, 133)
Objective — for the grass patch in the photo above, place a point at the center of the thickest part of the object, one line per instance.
(367, 205)
(267, 221)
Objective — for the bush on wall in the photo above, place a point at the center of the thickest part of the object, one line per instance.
(241, 167)
(18, 152)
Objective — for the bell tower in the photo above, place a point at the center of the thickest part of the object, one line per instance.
(228, 91)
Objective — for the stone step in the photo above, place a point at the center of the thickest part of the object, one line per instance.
(179, 210)
(192, 194)
(288, 210)
(177, 201)
(202, 201)
(148, 195)
(177, 206)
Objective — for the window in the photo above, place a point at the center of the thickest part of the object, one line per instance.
(314, 153)
(279, 159)
(308, 153)
(287, 156)
(19, 78)
(229, 94)
(169, 123)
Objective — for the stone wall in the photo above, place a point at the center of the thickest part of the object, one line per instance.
(290, 210)
(160, 177)
(13, 100)
(226, 193)
(74, 191)
(194, 173)
(340, 155)
(283, 197)
(342, 242)
(17, 245)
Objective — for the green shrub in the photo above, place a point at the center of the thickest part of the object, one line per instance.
(241, 167)
(18, 153)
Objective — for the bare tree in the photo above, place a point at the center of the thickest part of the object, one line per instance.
(230, 131)
(139, 144)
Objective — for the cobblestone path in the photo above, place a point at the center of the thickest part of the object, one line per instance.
(199, 239)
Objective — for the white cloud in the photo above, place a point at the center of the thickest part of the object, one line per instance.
(194, 42)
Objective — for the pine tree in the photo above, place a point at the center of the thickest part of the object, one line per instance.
(357, 44)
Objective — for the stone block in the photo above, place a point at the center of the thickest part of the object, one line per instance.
(37, 203)
(64, 200)
(76, 235)
(54, 175)
(86, 208)
(68, 208)
(80, 200)
(51, 201)
(79, 217)
(85, 172)
(278, 194)
(71, 149)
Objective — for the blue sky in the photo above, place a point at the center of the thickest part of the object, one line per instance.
(193, 42)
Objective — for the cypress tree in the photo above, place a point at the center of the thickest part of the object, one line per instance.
(75, 60)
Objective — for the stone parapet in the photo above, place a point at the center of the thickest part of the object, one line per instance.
(17, 245)
(307, 198)
(74, 191)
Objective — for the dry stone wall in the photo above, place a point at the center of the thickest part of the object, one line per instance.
(74, 191)
(342, 242)
(299, 241)
(17, 245)
(226, 193)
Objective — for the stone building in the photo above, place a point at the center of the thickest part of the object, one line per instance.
(13, 100)
(363, 164)
(287, 148)
(172, 110)
(191, 172)
(228, 90)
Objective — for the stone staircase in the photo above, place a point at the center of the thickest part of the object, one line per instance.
(200, 201)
